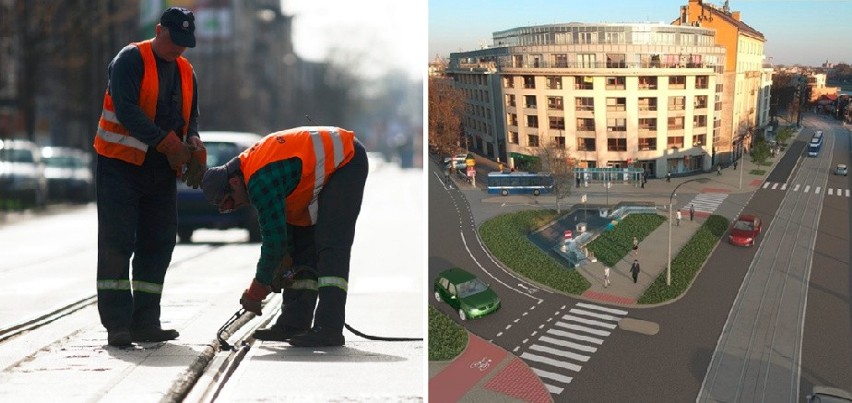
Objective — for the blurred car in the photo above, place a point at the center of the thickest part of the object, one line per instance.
(194, 212)
(69, 174)
(22, 180)
(826, 394)
(841, 169)
(744, 230)
(467, 294)
(457, 161)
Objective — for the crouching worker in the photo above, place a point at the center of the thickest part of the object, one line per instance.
(306, 185)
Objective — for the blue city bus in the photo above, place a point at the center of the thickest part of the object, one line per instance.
(815, 144)
(506, 183)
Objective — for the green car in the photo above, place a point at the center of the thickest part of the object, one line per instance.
(467, 294)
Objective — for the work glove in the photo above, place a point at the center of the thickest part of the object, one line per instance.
(282, 275)
(253, 296)
(196, 167)
(177, 152)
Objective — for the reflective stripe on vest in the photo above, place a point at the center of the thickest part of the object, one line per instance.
(338, 282)
(122, 285)
(321, 149)
(112, 139)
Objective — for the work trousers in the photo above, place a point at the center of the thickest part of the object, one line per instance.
(328, 243)
(137, 219)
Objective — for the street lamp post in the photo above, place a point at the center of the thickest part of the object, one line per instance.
(671, 198)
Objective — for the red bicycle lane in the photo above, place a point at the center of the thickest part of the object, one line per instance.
(478, 361)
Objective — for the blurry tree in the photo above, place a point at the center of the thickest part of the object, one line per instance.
(446, 105)
(556, 159)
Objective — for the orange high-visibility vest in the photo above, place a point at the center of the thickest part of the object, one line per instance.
(322, 151)
(113, 140)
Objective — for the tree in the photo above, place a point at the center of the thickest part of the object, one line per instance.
(556, 159)
(446, 105)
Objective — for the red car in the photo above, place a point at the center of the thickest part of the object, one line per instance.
(744, 230)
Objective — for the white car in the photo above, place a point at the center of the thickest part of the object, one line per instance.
(841, 169)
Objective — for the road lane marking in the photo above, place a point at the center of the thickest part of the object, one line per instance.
(574, 336)
(597, 332)
(796, 189)
(560, 353)
(774, 185)
(784, 186)
(550, 361)
(552, 375)
(594, 315)
(568, 344)
(766, 184)
(807, 188)
(602, 308)
(830, 191)
(817, 190)
(589, 321)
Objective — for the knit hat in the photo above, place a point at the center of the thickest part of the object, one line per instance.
(215, 180)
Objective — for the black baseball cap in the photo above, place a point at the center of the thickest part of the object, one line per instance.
(181, 25)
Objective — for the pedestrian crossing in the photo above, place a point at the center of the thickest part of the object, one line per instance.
(559, 352)
(705, 203)
(830, 191)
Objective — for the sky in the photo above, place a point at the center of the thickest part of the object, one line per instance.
(806, 32)
(376, 36)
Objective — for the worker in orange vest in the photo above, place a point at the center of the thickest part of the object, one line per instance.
(147, 135)
(307, 184)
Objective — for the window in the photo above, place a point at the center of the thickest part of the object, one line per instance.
(585, 144)
(509, 82)
(648, 124)
(615, 83)
(587, 37)
(647, 143)
(647, 104)
(529, 101)
(559, 141)
(513, 137)
(701, 102)
(513, 119)
(584, 83)
(647, 83)
(699, 121)
(585, 125)
(614, 60)
(616, 104)
(554, 83)
(529, 82)
(532, 121)
(616, 125)
(586, 60)
(510, 100)
(698, 140)
(676, 123)
(532, 140)
(560, 60)
(675, 142)
(616, 144)
(585, 103)
(677, 82)
(554, 103)
(702, 82)
(677, 103)
(557, 122)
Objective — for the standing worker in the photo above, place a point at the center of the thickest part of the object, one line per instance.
(307, 185)
(150, 112)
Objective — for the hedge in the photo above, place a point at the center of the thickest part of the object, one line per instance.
(612, 246)
(688, 262)
(505, 237)
(446, 338)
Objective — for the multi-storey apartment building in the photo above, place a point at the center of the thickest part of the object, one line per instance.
(746, 80)
(614, 95)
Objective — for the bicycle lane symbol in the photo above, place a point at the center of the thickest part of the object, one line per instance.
(482, 364)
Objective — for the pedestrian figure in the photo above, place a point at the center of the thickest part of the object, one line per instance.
(643, 180)
(668, 176)
(635, 246)
(678, 218)
(634, 270)
(735, 165)
(691, 212)
(719, 170)
(606, 276)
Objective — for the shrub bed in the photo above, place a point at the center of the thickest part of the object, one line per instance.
(506, 237)
(688, 261)
(612, 246)
(446, 338)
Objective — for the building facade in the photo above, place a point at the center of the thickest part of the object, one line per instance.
(613, 95)
(745, 80)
